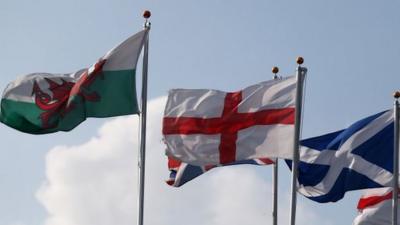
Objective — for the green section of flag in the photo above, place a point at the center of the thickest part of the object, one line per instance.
(22, 116)
(117, 95)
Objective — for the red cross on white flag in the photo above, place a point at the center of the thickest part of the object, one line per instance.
(375, 207)
(211, 127)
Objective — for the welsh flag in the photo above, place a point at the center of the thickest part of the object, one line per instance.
(41, 103)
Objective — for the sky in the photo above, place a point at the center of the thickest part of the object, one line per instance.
(89, 175)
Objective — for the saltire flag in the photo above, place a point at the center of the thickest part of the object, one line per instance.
(181, 173)
(357, 157)
(41, 103)
(210, 127)
(375, 207)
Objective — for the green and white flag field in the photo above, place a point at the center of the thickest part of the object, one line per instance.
(41, 103)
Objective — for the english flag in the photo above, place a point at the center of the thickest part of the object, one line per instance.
(375, 207)
(210, 127)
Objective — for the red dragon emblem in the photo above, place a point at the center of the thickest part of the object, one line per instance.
(59, 103)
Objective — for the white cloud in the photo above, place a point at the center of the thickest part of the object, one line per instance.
(96, 183)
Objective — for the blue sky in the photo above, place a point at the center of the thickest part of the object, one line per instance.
(350, 48)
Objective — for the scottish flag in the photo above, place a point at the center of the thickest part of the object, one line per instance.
(358, 157)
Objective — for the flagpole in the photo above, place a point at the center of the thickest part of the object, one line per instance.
(275, 193)
(395, 201)
(275, 71)
(300, 74)
(143, 115)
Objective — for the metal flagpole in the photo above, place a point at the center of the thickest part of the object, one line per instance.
(275, 193)
(142, 152)
(275, 71)
(395, 201)
(300, 74)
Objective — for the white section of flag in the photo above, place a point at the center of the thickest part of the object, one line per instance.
(194, 103)
(193, 147)
(21, 88)
(125, 55)
(266, 141)
(272, 94)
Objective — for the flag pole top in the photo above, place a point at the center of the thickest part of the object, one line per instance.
(146, 14)
(275, 70)
(396, 95)
(299, 60)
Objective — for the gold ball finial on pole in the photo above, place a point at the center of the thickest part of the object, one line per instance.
(146, 14)
(396, 95)
(299, 60)
(275, 70)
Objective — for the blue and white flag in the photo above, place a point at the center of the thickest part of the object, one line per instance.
(358, 157)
